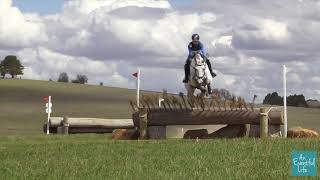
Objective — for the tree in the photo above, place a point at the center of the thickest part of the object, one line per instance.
(81, 79)
(292, 100)
(63, 77)
(2, 71)
(273, 99)
(11, 65)
(297, 100)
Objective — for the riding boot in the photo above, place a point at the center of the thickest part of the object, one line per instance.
(209, 89)
(210, 68)
(186, 71)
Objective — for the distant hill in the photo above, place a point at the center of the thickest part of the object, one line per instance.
(22, 106)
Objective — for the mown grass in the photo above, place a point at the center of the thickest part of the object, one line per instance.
(98, 157)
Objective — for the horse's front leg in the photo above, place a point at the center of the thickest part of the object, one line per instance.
(208, 88)
(190, 90)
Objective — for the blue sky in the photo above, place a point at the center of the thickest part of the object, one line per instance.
(54, 6)
(39, 6)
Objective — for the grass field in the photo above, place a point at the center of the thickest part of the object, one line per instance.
(97, 157)
(26, 153)
(22, 107)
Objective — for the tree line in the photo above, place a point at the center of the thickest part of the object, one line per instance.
(292, 100)
(81, 79)
(12, 65)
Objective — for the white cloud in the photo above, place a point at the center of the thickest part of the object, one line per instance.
(274, 30)
(42, 63)
(166, 35)
(294, 78)
(17, 29)
(107, 40)
(315, 79)
(223, 40)
(88, 6)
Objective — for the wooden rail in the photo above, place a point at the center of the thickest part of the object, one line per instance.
(199, 117)
(93, 122)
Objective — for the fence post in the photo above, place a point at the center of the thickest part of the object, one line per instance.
(63, 128)
(263, 122)
(247, 130)
(143, 123)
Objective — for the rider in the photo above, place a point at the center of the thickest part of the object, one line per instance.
(195, 45)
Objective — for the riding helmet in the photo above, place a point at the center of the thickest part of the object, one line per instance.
(195, 37)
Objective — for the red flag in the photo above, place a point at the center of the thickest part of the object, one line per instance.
(46, 99)
(135, 74)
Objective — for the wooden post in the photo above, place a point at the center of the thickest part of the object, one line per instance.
(157, 132)
(64, 126)
(263, 122)
(65, 123)
(143, 123)
(247, 130)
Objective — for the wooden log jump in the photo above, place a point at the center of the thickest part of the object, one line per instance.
(66, 125)
(93, 122)
(146, 119)
(79, 130)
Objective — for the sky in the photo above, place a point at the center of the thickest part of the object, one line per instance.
(108, 40)
(55, 6)
(41, 7)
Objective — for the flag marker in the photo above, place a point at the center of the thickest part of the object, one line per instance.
(137, 75)
(285, 128)
(47, 99)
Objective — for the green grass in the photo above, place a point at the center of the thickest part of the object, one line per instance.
(98, 157)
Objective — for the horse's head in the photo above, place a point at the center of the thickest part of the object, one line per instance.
(199, 61)
(199, 73)
(199, 67)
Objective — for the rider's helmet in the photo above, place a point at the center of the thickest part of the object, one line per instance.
(195, 37)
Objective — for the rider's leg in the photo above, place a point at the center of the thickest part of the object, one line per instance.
(187, 71)
(209, 89)
(210, 68)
